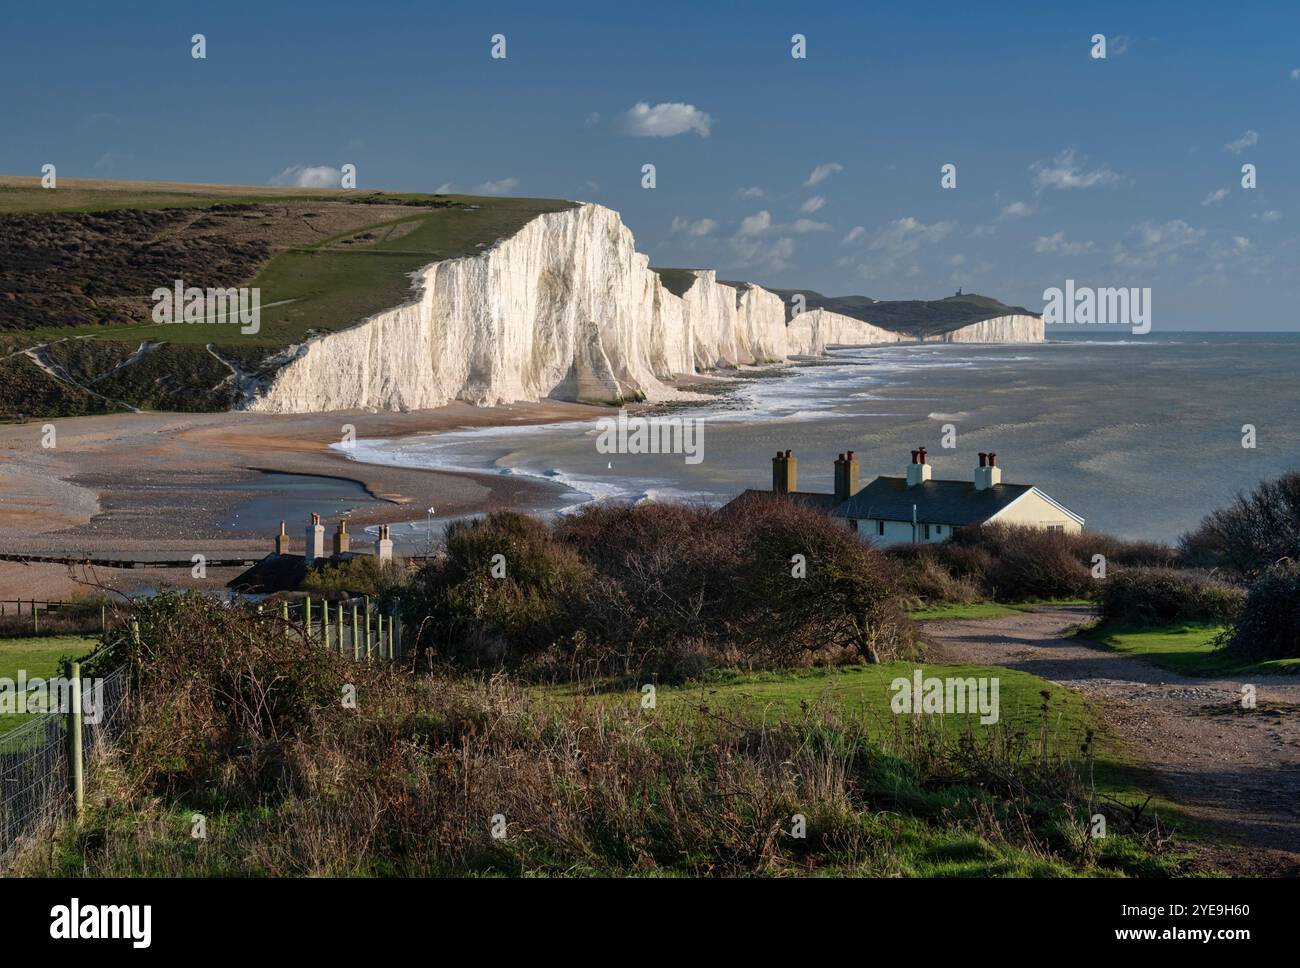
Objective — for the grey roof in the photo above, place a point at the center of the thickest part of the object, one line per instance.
(937, 502)
(806, 499)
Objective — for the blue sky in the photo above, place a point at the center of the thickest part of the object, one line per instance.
(1115, 172)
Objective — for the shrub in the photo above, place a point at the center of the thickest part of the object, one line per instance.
(941, 574)
(1168, 596)
(1029, 563)
(468, 613)
(724, 581)
(363, 575)
(1252, 532)
(1268, 626)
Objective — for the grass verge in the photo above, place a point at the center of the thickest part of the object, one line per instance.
(1188, 649)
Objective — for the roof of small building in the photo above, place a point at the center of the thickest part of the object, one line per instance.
(815, 500)
(957, 503)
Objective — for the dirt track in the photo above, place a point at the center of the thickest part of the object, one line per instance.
(1236, 769)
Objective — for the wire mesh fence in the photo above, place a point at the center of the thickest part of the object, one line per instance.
(35, 767)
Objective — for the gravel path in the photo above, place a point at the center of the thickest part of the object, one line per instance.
(1238, 769)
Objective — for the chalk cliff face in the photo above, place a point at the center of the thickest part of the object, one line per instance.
(564, 308)
(1018, 328)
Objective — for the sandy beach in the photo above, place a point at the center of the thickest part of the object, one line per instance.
(158, 482)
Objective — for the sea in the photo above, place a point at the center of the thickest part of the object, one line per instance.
(1141, 435)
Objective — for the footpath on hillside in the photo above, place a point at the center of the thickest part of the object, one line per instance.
(1234, 768)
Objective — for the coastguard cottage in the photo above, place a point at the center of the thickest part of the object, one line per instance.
(917, 509)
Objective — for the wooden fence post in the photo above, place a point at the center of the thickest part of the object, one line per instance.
(340, 625)
(307, 616)
(356, 642)
(76, 764)
(325, 623)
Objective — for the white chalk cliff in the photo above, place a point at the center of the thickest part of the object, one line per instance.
(1016, 328)
(564, 308)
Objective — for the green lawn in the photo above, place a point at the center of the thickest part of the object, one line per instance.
(984, 609)
(1186, 649)
(916, 823)
(38, 657)
(863, 694)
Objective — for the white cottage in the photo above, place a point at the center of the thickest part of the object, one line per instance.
(916, 509)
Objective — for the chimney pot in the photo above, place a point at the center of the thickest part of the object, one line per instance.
(993, 460)
(915, 455)
(850, 455)
(922, 453)
(984, 458)
(789, 453)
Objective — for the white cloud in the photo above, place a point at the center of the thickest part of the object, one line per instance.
(812, 205)
(592, 120)
(1295, 73)
(1216, 196)
(1118, 46)
(755, 224)
(898, 243)
(908, 234)
(823, 172)
(802, 226)
(1067, 171)
(1057, 245)
(1272, 215)
(446, 188)
(502, 187)
(855, 233)
(304, 176)
(1017, 210)
(1148, 244)
(753, 252)
(1238, 145)
(698, 229)
(754, 192)
(666, 120)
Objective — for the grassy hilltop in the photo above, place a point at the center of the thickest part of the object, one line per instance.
(78, 264)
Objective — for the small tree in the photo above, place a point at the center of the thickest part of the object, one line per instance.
(1254, 531)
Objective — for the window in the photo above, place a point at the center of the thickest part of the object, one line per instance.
(938, 529)
(925, 532)
(853, 524)
(880, 528)
(1056, 527)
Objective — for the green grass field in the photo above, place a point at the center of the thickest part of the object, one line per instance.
(863, 694)
(1186, 649)
(983, 610)
(1034, 713)
(38, 657)
(329, 285)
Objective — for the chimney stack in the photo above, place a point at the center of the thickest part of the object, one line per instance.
(315, 547)
(846, 476)
(341, 539)
(384, 546)
(918, 472)
(988, 473)
(282, 541)
(784, 473)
